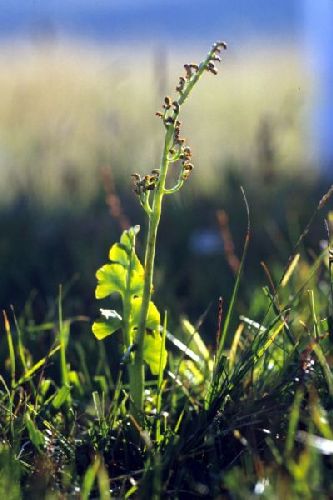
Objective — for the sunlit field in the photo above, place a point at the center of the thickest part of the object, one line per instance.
(68, 111)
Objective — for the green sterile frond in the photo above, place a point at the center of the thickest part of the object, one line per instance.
(104, 327)
(153, 316)
(137, 278)
(111, 279)
(152, 346)
(153, 338)
(127, 239)
(125, 276)
(119, 254)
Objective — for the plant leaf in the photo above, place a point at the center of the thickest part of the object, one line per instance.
(111, 279)
(152, 351)
(104, 327)
(137, 277)
(61, 396)
(128, 236)
(114, 278)
(119, 254)
(153, 316)
(153, 339)
(35, 435)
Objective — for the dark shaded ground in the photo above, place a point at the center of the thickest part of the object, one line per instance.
(41, 249)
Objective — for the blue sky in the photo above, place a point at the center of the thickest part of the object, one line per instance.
(167, 19)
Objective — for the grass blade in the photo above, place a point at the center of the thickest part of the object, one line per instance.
(293, 422)
(10, 348)
(237, 283)
(37, 366)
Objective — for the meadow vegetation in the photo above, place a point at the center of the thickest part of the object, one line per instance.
(229, 394)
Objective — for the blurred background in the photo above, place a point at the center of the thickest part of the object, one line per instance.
(80, 81)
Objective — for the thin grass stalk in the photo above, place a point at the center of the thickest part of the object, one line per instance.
(20, 345)
(63, 345)
(237, 283)
(63, 365)
(293, 422)
(10, 349)
(324, 366)
(222, 339)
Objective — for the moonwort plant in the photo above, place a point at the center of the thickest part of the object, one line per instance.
(143, 341)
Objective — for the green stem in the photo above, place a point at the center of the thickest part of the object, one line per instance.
(132, 373)
(154, 220)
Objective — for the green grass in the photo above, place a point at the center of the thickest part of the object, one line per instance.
(264, 426)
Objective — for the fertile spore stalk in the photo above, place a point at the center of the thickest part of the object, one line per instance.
(152, 188)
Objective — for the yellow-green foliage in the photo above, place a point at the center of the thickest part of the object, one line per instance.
(125, 276)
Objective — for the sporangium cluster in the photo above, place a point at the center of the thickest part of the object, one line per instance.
(179, 151)
(146, 182)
